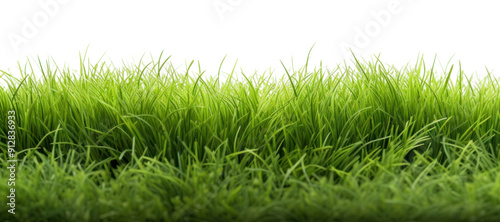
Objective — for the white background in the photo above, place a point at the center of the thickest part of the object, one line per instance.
(259, 33)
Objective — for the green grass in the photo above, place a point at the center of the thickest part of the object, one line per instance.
(365, 142)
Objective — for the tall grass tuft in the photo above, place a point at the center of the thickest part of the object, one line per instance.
(150, 142)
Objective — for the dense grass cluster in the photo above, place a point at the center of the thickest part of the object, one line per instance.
(365, 142)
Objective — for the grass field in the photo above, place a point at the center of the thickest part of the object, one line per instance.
(360, 142)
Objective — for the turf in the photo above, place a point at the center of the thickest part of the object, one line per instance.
(148, 142)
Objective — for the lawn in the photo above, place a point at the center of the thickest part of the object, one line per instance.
(151, 142)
